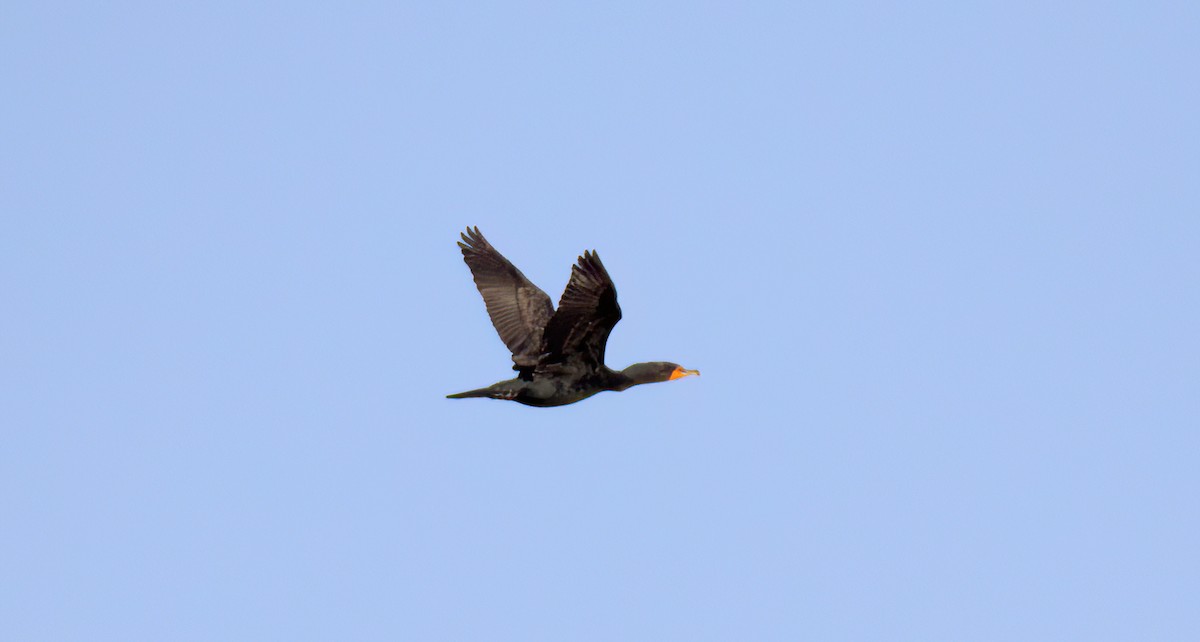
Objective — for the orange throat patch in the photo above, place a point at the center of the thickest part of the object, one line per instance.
(681, 372)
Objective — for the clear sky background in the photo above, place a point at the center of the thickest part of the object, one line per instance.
(938, 264)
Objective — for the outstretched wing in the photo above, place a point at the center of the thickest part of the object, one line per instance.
(587, 312)
(518, 308)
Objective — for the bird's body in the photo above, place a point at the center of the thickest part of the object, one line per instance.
(558, 354)
(541, 390)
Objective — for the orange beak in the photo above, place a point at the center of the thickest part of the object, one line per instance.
(680, 373)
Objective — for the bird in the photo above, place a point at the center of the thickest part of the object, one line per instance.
(558, 354)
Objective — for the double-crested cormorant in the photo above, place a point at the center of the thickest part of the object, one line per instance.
(559, 355)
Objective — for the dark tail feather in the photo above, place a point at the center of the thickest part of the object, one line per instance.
(482, 392)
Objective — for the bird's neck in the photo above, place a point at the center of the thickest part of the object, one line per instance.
(628, 378)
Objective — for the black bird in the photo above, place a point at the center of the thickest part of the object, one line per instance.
(558, 355)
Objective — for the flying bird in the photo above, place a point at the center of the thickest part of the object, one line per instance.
(558, 354)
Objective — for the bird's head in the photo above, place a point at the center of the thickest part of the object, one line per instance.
(656, 371)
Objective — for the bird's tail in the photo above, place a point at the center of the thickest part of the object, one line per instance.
(481, 392)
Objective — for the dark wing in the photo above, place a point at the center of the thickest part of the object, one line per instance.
(587, 312)
(518, 308)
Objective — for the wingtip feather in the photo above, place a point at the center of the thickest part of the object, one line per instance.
(474, 239)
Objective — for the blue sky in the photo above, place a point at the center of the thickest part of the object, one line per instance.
(936, 261)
